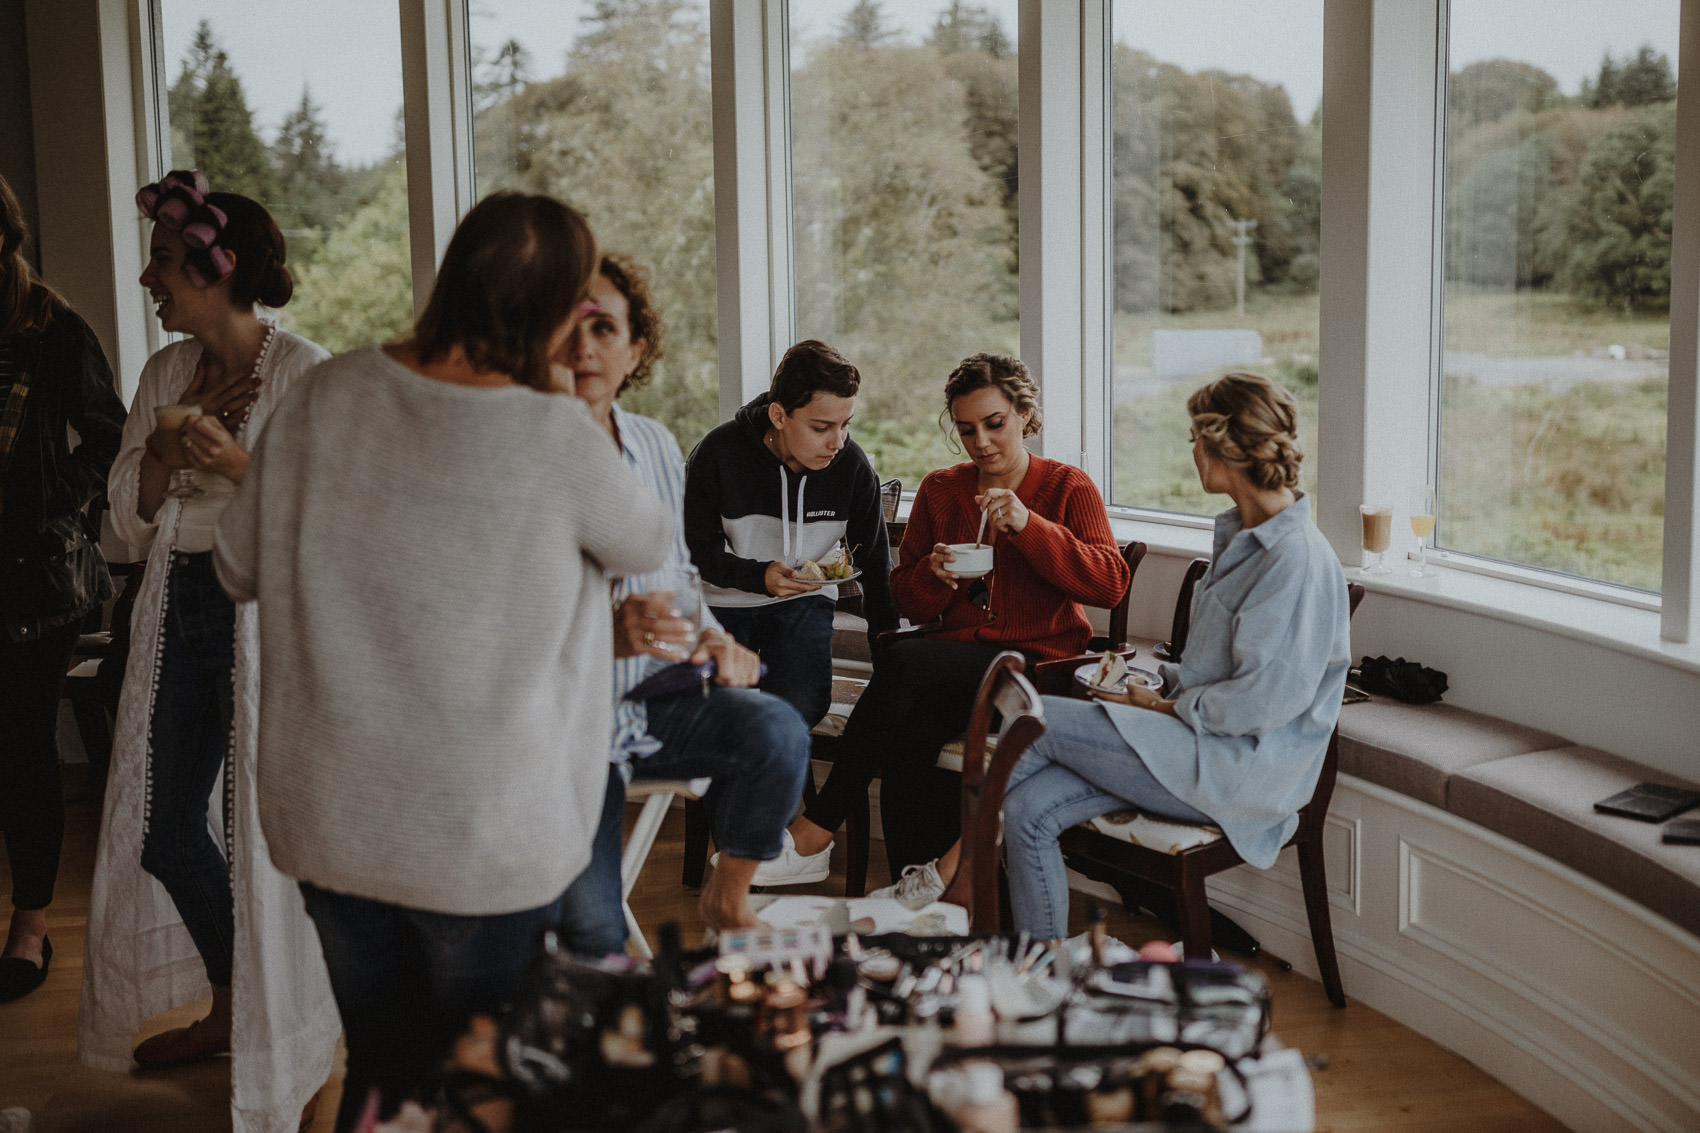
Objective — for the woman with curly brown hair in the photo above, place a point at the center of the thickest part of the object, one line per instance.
(1237, 734)
(752, 744)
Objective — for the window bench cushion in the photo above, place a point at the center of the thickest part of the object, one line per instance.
(1417, 749)
(1545, 800)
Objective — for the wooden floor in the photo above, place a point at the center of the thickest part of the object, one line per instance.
(1373, 1074)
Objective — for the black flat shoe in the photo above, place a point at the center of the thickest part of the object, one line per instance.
(19, 977)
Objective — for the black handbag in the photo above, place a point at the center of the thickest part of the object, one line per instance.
(51, 578)
(72, 578)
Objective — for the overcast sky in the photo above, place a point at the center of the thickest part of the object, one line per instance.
(280, 46)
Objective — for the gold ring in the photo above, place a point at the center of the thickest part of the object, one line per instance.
(649, 638)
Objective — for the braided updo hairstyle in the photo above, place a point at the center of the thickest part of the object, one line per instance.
(1005, 373)
(1248, 421)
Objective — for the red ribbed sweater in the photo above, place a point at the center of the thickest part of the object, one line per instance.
(1063, 558)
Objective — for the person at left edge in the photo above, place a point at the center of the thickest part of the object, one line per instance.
(52, 374)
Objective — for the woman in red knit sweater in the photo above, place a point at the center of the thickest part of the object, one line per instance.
(1052, 553)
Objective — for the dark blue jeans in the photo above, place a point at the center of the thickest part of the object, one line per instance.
(795, 642)
(406, 983)
(188, 742)
(756, 749)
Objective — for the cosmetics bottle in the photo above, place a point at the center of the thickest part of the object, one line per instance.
(1186, 1097)
(975, 1023)
(985, 1106)
(1199, 1069)
(847, 1000)
(1151, 1071)
(921, 1038)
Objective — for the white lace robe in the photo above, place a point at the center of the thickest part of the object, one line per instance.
(139, 958)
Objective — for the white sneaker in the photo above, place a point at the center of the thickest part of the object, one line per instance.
(919, 886)
(790, 867)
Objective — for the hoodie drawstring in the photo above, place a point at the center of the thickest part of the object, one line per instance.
(785, 523)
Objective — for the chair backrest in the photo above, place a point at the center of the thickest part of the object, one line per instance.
(1171, 649)
(1005, 694)
(1133, 554)
(1316, 811)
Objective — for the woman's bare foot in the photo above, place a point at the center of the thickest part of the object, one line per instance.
(725, 901)
(24, 937)
(809, 838)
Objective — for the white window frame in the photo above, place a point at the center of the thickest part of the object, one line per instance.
(1378, 361)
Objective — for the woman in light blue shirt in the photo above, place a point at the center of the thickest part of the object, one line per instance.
(1238, 733)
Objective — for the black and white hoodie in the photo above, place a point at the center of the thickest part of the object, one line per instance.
(744, 509)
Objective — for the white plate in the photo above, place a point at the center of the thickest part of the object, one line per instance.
(832, 581)
(1144, 677)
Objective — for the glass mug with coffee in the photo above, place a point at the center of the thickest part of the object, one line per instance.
(1377, 536)
(168, 443)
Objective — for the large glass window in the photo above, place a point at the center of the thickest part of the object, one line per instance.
(267, 104)
(1216, 194)
(903, 181)
(607, 106)
(1560, 146)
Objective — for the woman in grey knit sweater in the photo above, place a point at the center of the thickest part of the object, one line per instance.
(435, 635)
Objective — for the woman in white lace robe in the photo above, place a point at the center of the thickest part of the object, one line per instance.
(141, 958)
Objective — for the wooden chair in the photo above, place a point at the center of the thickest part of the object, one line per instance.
(1005, 694)
(1054, 676)
(1170, 650)
(1180, 857)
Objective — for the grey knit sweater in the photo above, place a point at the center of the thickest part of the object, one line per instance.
(434, 632)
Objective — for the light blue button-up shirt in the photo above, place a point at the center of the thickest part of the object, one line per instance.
(1258, 688)
(651, 452)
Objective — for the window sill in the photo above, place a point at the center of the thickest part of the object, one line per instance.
(1624, 627)
(1627, 627)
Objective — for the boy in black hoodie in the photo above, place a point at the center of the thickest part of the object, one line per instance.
(779, 485)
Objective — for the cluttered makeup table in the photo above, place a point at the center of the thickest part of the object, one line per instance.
(800, 1027)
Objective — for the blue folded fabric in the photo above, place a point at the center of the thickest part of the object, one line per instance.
(675, 679)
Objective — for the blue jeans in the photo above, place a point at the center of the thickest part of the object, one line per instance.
(794, 639)
(1080, 768)
(407, 981)
(756, 749)
(188, 742)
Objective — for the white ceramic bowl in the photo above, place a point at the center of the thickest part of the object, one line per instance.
(969, 560)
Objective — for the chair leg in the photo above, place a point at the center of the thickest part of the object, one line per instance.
(1193, 907)
(632, 857)
(857, 831)
(1313, 871)
(696, 843)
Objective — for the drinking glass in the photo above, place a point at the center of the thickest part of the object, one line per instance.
(169, 419)
(1377, 535)
(1422, 526)
(685, 584)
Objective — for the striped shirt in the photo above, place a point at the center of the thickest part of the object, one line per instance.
(653, 454)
